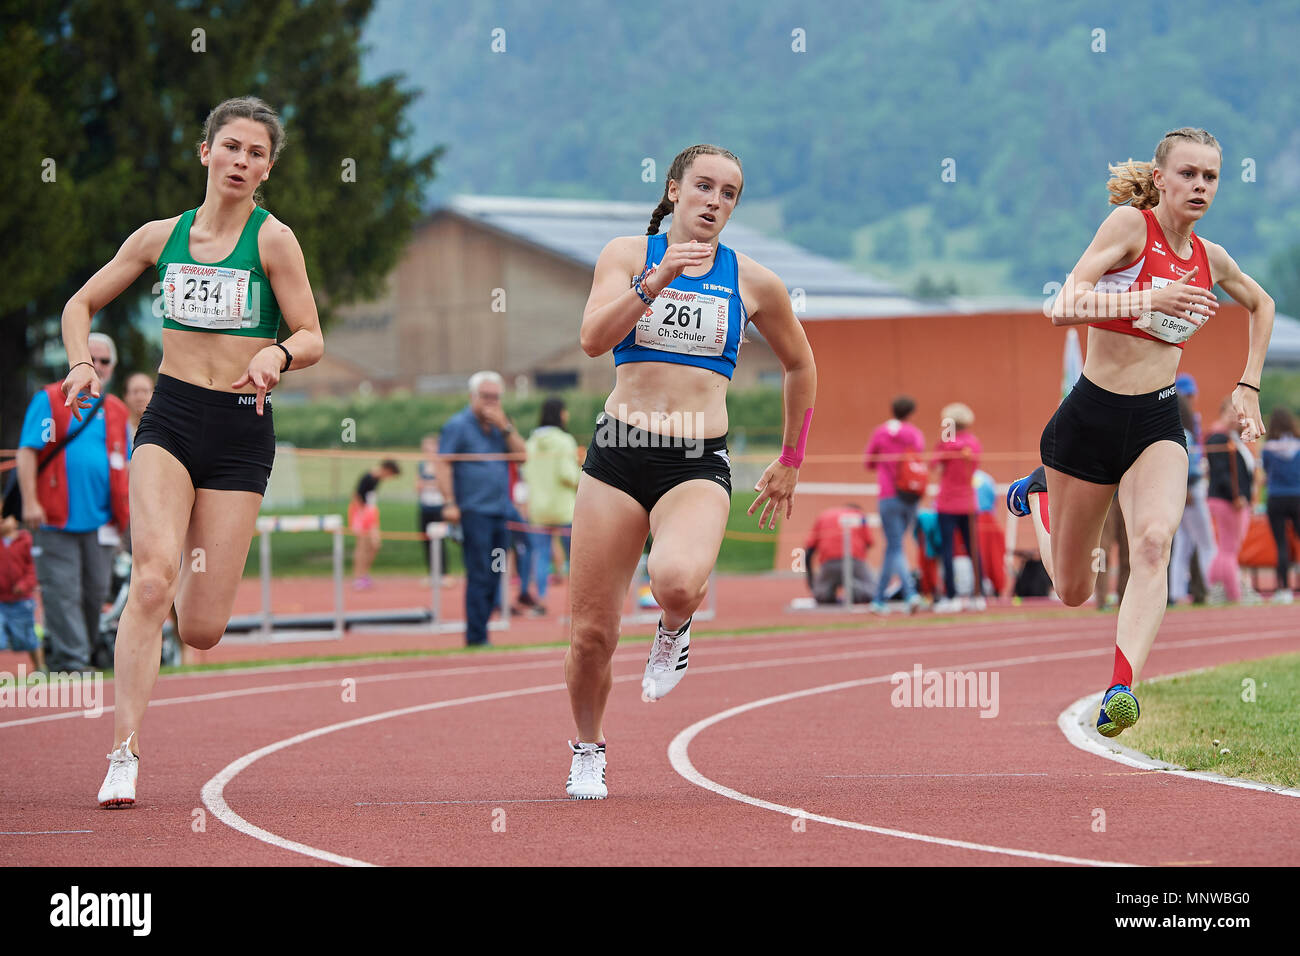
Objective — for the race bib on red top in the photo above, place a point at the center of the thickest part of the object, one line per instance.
(206, 297)
(1169, 328)
(687, 322)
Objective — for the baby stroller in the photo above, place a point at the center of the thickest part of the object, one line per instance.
(101, 654)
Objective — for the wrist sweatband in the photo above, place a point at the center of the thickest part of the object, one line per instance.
(793, 457)
(640, 291)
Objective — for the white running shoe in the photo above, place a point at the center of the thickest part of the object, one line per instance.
(118, 791)
(947, 606)
(1283, 596)
(667, 663)
(587, 772)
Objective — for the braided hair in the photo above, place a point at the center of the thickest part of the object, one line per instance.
(1133, 183)
(677, 171)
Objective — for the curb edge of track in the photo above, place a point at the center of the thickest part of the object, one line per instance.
(1076, 723)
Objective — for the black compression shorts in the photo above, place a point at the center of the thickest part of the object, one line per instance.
(1096, 435)
(648, 465)
(218, 436)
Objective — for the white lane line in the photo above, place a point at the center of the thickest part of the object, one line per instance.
(213, 792)
(1077, 723)
(440, 803)
(678, 749)
(531, 665)
(874, 776)
(40, 832)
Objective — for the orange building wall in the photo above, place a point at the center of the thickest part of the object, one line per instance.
(1006, 367)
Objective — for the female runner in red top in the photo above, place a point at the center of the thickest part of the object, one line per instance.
(1149, 275)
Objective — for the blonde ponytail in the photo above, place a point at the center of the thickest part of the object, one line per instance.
(1132, 184)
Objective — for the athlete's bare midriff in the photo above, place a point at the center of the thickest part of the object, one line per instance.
(209, 359)
(1129, 364)
(670, 399)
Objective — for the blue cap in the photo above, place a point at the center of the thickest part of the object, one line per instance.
(1185, 384)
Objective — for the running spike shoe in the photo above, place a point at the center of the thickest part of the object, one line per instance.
(1119, 711)
(118, 791)
(666, 665)
(587, 772)
(1020, 490)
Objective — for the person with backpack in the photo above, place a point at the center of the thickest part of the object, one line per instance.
(894, 451)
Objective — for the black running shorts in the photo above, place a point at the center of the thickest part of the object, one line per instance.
(218, 436)
(1096, 435)
(647, 465)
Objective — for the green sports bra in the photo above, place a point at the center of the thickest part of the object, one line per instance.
(231, 297)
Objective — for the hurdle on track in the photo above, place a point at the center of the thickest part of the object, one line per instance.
(265, 626)
(436, 531)
(301, 627)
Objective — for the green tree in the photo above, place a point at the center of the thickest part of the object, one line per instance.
(1283, 282)
(115, 92)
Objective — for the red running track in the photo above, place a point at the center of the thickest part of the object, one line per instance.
(462, 760)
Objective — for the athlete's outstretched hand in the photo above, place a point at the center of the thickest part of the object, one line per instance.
(775, 488)
(263, 372)
(679, 257)
(81, 385)
(1179, 298)
(1245, 403)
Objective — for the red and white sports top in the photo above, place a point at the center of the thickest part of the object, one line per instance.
(1155, 268)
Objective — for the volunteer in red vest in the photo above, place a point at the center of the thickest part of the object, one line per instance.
(825, 544)
(889, 445)
(76, 508)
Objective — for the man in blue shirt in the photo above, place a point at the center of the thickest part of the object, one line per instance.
(478, 494)
(74, 510)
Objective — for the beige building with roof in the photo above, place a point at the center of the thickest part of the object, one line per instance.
(500, 283)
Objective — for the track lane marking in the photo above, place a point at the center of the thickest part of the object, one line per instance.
(678, 749)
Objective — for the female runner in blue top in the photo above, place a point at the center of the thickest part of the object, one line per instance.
(672, 308)
(228, 271)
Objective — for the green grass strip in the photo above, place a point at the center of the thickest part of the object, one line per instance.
(1249, 707)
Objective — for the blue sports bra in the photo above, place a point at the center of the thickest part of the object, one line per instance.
(693, 321)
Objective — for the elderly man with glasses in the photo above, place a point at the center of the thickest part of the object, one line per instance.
(72, 471)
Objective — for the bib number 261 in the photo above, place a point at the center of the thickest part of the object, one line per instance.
(681, 315)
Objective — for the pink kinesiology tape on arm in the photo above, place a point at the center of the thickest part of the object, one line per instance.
(793, 457)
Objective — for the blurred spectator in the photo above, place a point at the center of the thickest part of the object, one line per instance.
(552, 474)
(1195, 535)
(79, 507)
(1232, 469)
(478, 494)
(139, 389)
(1114, 539)
(431, 500)
(363, 520)
(1281, 462)
(891, 444)
(17, 587)
(825, 549)
(957, 453)
(521, 542)
(992, 537)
